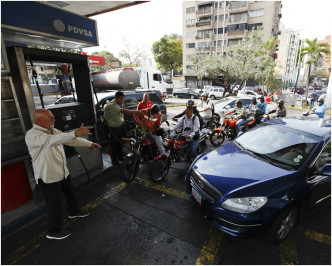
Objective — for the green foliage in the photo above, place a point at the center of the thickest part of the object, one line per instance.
(109, 57)
(168, 52)
(319, 74)
(248, 60)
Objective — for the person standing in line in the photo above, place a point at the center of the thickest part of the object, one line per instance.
(45, 146)
(144, 104)
(115, 123)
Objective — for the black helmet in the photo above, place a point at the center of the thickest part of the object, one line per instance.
(281, 101)
(321, 100)
(253, 98)
(238, 102)
(154, 109)
(190, 102)
(260, 97)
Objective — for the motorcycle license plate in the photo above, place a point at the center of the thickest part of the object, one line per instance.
(196, 196)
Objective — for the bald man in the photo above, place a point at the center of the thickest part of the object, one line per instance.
(45, 145)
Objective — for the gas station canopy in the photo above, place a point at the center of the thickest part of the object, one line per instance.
(63, 24)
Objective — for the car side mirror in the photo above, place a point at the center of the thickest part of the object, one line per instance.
(326, 170)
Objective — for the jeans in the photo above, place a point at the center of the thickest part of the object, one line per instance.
(238, 125)
(52, 195)
(193, 144)
(159, 142)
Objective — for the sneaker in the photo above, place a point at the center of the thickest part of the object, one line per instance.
(58, 236)
(81, 214)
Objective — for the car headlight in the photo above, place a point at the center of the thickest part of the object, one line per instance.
(244, 205)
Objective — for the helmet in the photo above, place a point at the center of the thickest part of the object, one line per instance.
(238, 101)
(260, 97)
(190, 102)
(321, 99)
(154, 109)
(281, 102)
(253, 98)
(206, 94)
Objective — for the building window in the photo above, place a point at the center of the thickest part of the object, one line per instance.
(221, 17)
(238, 17)
(219, 44)
(190, 10)
(204, 46)
(204, 34)
(233, 42)
(242, 26)
(220, 30)
(189, 57)
(190, 34)
(254, 26)
(190, 45)
(256, 12)
(190, 67)
(204, 9)
(222, 4)
(237, 4)
(190, 22)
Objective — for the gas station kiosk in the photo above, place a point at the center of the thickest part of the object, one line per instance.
(41, 24)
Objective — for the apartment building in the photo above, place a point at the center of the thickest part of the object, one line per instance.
(213, 25)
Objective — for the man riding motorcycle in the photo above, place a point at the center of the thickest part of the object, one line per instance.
(190, 102)
(262, 104)
(151, 123)
(205, 107)
(240, 116)
(281, 109)
(190, 125)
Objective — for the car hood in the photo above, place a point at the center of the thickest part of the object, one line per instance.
(227, 168)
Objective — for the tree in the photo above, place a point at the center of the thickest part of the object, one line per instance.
(319, 74)
(133, 56)
(109, 57)
(247, 60)
(168, 52)
(313, 52)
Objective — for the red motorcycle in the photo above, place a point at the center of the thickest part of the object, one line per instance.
(228, 128)
(178, 150)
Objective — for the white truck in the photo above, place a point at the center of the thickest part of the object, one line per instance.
(153, 79)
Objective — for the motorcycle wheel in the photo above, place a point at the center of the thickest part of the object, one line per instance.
(217, 138)
(129, 168)
(159, 169)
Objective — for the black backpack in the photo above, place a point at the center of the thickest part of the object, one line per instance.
(212, 105)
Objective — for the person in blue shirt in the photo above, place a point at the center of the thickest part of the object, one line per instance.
(262, 104)
(319, 109)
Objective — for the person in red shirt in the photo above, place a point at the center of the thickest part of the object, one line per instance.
(144, 104)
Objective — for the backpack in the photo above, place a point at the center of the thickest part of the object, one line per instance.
(212, 106)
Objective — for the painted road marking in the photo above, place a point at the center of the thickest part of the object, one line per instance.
(210, 247)
(288, 251)
(24, 250)
(325, 239)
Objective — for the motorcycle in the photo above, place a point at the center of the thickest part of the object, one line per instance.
(178, 150)
(228, 128)
(142, 148)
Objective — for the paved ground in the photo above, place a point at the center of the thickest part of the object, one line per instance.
(148, 223)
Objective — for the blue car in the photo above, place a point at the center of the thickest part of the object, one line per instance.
(265, 179)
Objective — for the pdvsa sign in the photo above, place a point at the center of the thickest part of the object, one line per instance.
(32, 17)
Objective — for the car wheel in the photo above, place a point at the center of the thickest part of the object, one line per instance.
(283, 224)
(213, 97)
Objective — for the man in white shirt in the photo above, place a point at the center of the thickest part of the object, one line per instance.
(45, 145)
(189, 120)
(205, 107)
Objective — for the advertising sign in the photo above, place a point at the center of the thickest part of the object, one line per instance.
(41, 19)
(96, 60)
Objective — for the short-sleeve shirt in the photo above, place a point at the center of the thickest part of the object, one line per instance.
(239, 111)
(113, 116)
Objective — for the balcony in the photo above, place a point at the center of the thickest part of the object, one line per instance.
(206, 24)
(198, 3)
(245, 20)
(236, 34)
(238, 7)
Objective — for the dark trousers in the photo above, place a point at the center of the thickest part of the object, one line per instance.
(115, 142)
(52, 195)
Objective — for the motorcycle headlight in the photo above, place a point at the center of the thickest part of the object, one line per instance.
(244, 205)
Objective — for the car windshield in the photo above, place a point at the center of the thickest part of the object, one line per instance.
(282, 146)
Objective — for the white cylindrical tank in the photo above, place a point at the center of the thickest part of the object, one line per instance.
(120, 79)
